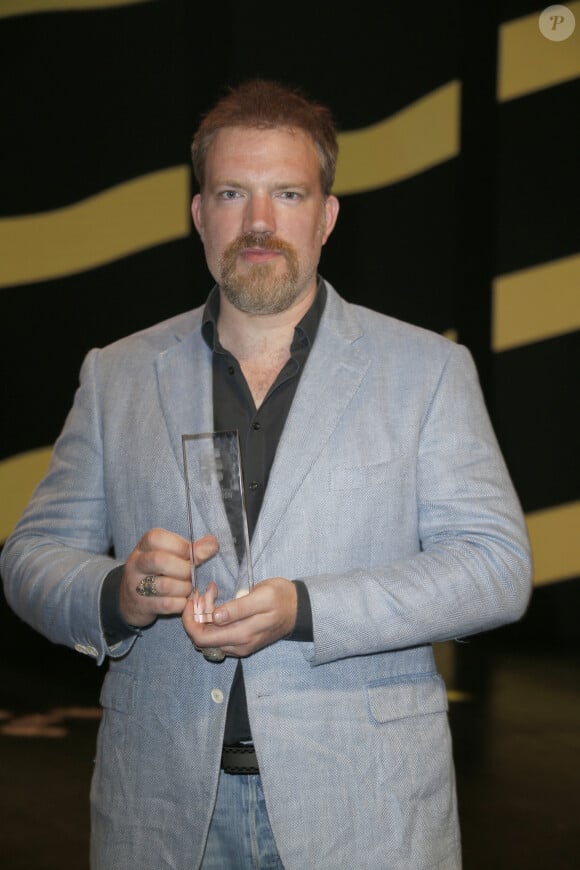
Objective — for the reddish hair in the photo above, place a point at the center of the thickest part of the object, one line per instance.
(269, 105)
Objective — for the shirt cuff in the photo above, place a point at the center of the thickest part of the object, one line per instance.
(303, 629)
(114, 626)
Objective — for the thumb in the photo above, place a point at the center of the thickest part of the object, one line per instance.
(205, 548)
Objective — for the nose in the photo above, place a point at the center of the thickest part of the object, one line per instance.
(259, 214)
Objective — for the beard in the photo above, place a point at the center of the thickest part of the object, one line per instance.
(260, 289)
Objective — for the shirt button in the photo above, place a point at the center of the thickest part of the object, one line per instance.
(217, 696)
(253, 486)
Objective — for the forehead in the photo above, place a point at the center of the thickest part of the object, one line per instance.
(255, 152)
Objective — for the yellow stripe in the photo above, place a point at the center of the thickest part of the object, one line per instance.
(155, 209)
(555, 537)
(133, 216)
(553, 532)
(529, 62)
(25, 7)
(19, 475)
(456, 697)
(415, 139)
(537, 303)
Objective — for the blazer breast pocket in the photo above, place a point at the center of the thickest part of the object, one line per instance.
(392, 472)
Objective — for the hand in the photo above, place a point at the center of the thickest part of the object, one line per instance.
(246, 624)
(166, 557)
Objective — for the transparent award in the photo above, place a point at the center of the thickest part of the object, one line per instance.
(215, 490)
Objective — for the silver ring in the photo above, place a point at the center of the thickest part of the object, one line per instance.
(147, 586)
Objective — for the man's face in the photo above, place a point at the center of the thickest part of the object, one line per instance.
(262, 217)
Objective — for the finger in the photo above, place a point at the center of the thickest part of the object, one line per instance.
(243, 625)
(163, 565)
(164, 553)
(161, 586)
(142, 599)
(233, 641)
(270, 609)
(205, 548)
(203, 604)
(195, 627)
(160, 553)
(162, 539)
(242, 606)
(173, 562)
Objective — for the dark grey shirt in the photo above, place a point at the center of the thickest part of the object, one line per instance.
(259, 433)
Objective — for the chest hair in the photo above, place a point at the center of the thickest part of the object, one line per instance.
(261, 372)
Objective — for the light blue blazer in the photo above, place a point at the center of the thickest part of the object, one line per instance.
(388, 496)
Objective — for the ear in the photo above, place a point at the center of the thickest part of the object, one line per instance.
(331, 208)
(196, 214)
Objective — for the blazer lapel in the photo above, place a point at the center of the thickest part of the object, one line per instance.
(333, 373)
(184, 377)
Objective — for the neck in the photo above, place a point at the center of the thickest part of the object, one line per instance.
(255, 336)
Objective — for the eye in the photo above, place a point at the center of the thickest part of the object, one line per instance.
(228, 194)
(291, 195)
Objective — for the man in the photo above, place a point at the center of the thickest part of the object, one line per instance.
(382, 520)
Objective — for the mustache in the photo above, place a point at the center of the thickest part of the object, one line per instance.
(265, 241)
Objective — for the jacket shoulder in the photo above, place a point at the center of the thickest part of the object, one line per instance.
(388, 335)
(159, 336)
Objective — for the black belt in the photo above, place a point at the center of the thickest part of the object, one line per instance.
(239, 759)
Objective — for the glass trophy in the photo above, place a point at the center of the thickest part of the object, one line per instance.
(215, 491)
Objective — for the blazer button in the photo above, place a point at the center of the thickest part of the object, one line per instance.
(217, 696)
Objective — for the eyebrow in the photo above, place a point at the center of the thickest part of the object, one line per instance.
(277, 185)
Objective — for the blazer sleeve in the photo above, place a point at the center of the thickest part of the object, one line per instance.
(472, 571)
(57, 557)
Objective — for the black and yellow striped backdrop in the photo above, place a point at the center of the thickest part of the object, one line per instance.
(459, 178)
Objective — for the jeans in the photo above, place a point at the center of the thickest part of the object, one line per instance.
(240, 837)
